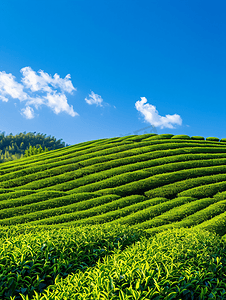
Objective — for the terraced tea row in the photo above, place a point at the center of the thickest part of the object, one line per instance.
(105, 213)
(22, 179)
(43, 158)
(184, 186)
(179, 213)
(83, 146)
(129, 188)
(156, 213)
(108, 180)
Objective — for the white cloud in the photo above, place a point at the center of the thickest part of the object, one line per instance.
(38, 101)
(38, 89)
(3, 98)
(33, 81)
(44, 81)
(9, 87)
(94, 99)
(58, 102)
(152, 116)
(28, 112)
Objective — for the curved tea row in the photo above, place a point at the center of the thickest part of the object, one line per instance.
(148, 181)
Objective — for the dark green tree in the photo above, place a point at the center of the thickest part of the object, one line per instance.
(16, 146)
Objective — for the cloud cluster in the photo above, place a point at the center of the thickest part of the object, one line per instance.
(94, 99)
(152, 116)
(9, 87)
(38, 89)
(28, 112)
(41, 89)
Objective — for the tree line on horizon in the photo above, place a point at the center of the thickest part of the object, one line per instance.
(25, 144)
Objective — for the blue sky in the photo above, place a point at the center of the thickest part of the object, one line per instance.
(82, 70)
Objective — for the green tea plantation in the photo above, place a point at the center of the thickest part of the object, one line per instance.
(136, 217)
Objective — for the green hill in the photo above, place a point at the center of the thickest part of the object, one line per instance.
(137, 217)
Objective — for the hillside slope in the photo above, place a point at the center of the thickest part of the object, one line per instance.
(150, 182)
(82, 220)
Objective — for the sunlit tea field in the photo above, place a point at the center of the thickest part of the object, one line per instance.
(137, 217)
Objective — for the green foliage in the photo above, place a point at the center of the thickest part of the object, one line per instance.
(109, 213)
(204, 190)
(33, 151)
(23, 198)
(39, 209)
(223, 140)
(139, 138)
(153, 210)
(140, 186)
(220, 195)
(101, 159)
(203, 215)
(216, 224)
(175, 214)
(177, 264)
(185, 187)
(197, 138)
(63, 212)
(13, 147)
(212, 139)
(162, 136)
(181, 137)
(32, 258)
